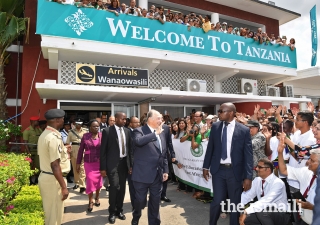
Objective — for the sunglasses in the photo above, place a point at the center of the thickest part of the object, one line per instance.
(260, 167)
(223, 111)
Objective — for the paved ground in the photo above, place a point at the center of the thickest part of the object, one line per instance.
(182, 210)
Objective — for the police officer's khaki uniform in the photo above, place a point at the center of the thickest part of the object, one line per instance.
(51, 148)
(79, 178)
(31, 135)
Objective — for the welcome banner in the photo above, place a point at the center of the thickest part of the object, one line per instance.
(55, 19)
(314, 35)
(192, 161)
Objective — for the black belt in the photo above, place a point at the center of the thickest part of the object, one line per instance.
(227, 165)
(75, 143)
(63, 174)
(47, 172)
(123, 158)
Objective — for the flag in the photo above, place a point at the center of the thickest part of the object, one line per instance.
(314, 35)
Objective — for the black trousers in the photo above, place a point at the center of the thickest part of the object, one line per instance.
(141, 190)
(117, 189)
(267, 218)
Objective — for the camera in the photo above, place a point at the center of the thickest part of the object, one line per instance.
(131, 11)
(191, 132)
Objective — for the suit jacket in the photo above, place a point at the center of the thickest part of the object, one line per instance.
(149, 160)
(110, 150)
(316, 208)
(103, 127)
(241, 151)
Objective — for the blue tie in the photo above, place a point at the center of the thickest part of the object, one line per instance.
(224, 141)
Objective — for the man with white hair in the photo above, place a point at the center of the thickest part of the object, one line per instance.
(306, 176)
(151, 143)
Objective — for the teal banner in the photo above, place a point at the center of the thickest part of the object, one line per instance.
(314, 35)
(55, 19)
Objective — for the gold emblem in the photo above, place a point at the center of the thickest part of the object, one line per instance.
(85, 74)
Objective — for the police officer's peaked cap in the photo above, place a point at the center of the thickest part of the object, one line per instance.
(66, 122)
(79, 121)
(54, 113)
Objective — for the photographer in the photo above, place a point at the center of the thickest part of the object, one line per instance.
(195, 137)
(132, 9)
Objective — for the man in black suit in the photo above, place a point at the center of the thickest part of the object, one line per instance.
(115, 162)
(103, 123)
(134, 123)
(150, 166)
(230, 160)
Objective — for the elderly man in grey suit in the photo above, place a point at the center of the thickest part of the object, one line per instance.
(150, 166)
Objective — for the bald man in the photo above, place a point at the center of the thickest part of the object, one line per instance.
(230, 160)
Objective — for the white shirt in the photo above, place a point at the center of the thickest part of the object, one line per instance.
(120, 141)
(303, 176)
(157, 135)
(274, 142)
(303, 140)
(135, 13)
(274, 195)
(230, 130)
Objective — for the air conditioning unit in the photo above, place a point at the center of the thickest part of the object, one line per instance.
(246, 86)
(287, 91)
(271, 91)
(196, 85)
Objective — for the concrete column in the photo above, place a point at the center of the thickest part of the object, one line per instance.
(214, 18)
(143, 4)
(144, 108)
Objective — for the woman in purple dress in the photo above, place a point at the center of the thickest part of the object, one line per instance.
(90, 150)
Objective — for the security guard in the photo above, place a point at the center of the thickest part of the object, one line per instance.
(54, 162)
(64, 134)
(74, 138)
(31, 135)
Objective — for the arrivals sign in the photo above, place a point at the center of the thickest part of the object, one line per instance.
(110, 75)
(55, 19)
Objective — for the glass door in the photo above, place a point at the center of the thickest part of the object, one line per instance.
(129, 109)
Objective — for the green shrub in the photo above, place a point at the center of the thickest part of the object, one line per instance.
(26, 208)
(7, 130)
(14, 173)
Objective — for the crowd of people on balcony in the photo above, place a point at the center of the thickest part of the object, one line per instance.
(190, 20)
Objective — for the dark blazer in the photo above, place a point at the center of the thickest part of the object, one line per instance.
(241, 151)
(148, 159)
(110, 150)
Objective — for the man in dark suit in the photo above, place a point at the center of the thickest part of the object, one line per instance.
(103, 123)
(230, 160)
(115, 162)
(134, 123)
(150, 166)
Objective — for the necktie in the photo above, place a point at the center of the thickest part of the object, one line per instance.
(262, 182)
(158, 141)
(122, 140)
(305, 194)
(224, 141)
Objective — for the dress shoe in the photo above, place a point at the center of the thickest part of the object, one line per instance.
(121, 216)
(75, 187)
(134, 222)
(69, 180)
(112, 218)
(82, 190)
(165, 199)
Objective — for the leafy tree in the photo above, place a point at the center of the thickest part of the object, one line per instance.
(12, 25)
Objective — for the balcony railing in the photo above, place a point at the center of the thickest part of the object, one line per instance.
(68, 21)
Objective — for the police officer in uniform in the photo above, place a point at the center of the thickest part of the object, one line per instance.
(31, 135)
(74, 137)
(54, 162)
(64, 134)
